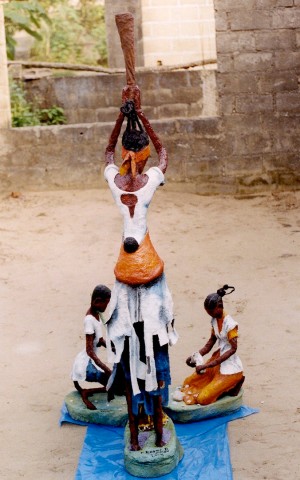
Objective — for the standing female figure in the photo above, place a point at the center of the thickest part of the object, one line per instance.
(141, 323)
(223, 372)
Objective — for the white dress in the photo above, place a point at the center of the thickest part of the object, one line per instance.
(135, 226)
(91, 326)
(233, 364)
(151, 304)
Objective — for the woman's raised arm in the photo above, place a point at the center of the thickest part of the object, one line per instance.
(161, 151)
(110, 149)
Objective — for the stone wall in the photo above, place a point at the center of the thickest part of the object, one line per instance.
(251, 145)
(97, 98)
(72, 156)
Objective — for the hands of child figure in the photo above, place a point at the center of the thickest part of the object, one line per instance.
(190, 361)
(201, 368)
(196, 360)
(132, 92)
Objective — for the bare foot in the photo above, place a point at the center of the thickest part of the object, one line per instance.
(134, 447)
(86, 401)
(134, 443)
(159, 442)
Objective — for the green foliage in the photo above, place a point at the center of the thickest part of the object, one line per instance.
(75, 35)
(52, 116)
(23, 15)
(22, 112)
(26, 114)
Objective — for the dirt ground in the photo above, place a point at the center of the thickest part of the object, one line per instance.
(56, 246)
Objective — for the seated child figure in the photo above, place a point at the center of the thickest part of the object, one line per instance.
(223, 372)
(87, 365)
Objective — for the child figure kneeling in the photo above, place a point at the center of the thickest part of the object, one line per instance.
(87, 365)
(222, 374)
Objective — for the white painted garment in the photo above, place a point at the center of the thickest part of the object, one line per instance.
(233, 364)
(91, 326)
(152, 305)
(135, 226)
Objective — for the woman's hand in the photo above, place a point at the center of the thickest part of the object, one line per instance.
(190, 361)
(201, 369)
(132, 92)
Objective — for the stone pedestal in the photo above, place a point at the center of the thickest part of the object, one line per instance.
(152, 461)
(180, 412)
(108, 413)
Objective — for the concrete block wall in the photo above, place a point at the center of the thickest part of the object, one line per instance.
(258, 89)
(170, 32)
(178, 31)
(72, 156)
(97, 98)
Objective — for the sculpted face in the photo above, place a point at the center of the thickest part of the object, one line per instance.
(99, 304)
(216, 312)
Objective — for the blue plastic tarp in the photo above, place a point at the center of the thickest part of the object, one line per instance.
(205, 444)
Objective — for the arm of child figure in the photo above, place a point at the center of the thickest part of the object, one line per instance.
(132, 92)
(222, 358)
(110, 149)
(93, 356)
(190, 361)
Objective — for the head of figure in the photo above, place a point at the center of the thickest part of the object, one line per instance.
(100, 298)
(135, 143)
(213, 303)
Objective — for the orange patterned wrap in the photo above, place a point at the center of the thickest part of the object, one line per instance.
(130, 159)
(139, 267)
(207, 387)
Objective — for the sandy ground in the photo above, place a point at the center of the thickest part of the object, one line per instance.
(56, 246)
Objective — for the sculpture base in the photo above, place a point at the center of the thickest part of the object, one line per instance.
(152, 461)
(180, 412)
(108, 413)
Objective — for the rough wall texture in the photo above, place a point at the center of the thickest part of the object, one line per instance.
(253, 144)
(97, 98)
(259, 66)
(72, 156)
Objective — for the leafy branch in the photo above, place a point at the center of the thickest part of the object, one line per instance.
(23, 16)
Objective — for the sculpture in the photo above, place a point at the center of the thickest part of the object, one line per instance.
(223, 372)
(141, 324)
(88, 365)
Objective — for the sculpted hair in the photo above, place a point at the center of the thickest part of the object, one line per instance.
(134, 137)
(102, 292)
(214, 299)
